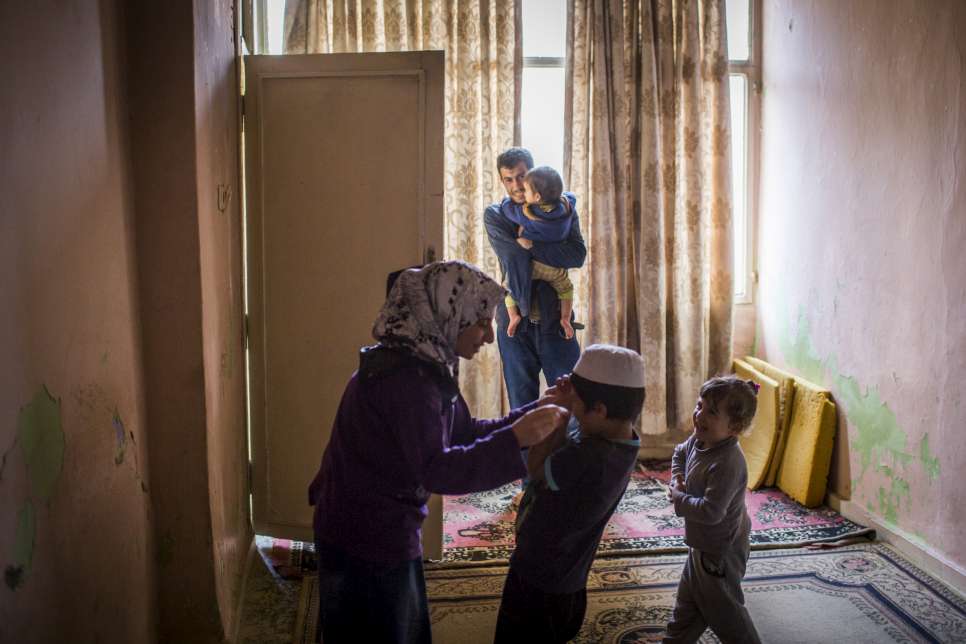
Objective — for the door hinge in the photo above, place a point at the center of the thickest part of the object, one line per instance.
(243, 105)
(246, 330)
(251, 479)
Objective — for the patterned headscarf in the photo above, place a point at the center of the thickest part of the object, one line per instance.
(429, 307)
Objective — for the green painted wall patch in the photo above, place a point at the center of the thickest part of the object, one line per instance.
(23, 545)
(41, 440)
(930, 463)
(15, 574)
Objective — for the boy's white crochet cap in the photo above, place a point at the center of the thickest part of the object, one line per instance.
(611, 365)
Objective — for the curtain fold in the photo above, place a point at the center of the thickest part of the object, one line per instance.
(483, 67)
(648, 154)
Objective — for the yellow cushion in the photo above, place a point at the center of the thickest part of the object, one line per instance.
(786, 397)
(803, 474)
(758, 443)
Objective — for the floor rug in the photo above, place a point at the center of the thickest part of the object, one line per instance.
(478, 528)
(290, 559)
(855, 594)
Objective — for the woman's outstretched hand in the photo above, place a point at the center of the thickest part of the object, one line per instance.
(538, 423)
(561, 393)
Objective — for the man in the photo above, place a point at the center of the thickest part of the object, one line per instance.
(538, 344)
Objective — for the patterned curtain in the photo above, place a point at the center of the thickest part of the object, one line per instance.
(648, 154)
(482, 73)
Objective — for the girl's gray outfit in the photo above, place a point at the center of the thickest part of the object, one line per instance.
(716, 529)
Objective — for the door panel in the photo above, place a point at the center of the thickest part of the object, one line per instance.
(344, 167)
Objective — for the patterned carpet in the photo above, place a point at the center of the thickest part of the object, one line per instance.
(856, 594)
(479, 527)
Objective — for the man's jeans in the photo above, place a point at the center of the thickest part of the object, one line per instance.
(525, 354)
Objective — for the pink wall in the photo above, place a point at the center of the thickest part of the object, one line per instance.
(75, 487)
(862, 230)
(120, 339)
(219, 221)
(188, 253)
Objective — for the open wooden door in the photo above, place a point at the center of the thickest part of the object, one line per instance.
(344, 167)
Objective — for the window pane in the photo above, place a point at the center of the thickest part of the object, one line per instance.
(738, 16)
(739, 179)
(541, 115)
(276, 23)
(544, 28)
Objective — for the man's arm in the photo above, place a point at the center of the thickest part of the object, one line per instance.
(499, 228)
(514, 260)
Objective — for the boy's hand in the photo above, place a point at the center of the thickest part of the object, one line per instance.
(568, 330)
(526, 243)
(538, 423)
(511, 327)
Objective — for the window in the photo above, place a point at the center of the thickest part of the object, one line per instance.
(542, 99)
(269, 21)
(544, 27)
(744, 78)
(541, 116)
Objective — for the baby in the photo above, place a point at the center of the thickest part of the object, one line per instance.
(546, 216)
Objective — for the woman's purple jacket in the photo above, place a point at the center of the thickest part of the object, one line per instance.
(403, 431)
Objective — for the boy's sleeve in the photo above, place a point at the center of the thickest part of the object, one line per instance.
(565, 468)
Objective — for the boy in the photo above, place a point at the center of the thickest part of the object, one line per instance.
(708, 478)
(576, 481)
(546, 216)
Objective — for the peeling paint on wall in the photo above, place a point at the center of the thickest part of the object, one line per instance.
(890, 500)
(929, 463)
(42, 443)
(875, 437)
(877, 434)
(23, 545)
(120, 437)
(98, 412)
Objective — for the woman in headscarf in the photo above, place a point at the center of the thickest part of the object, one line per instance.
(402, 432)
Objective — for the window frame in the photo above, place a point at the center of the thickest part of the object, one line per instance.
(751, 70)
